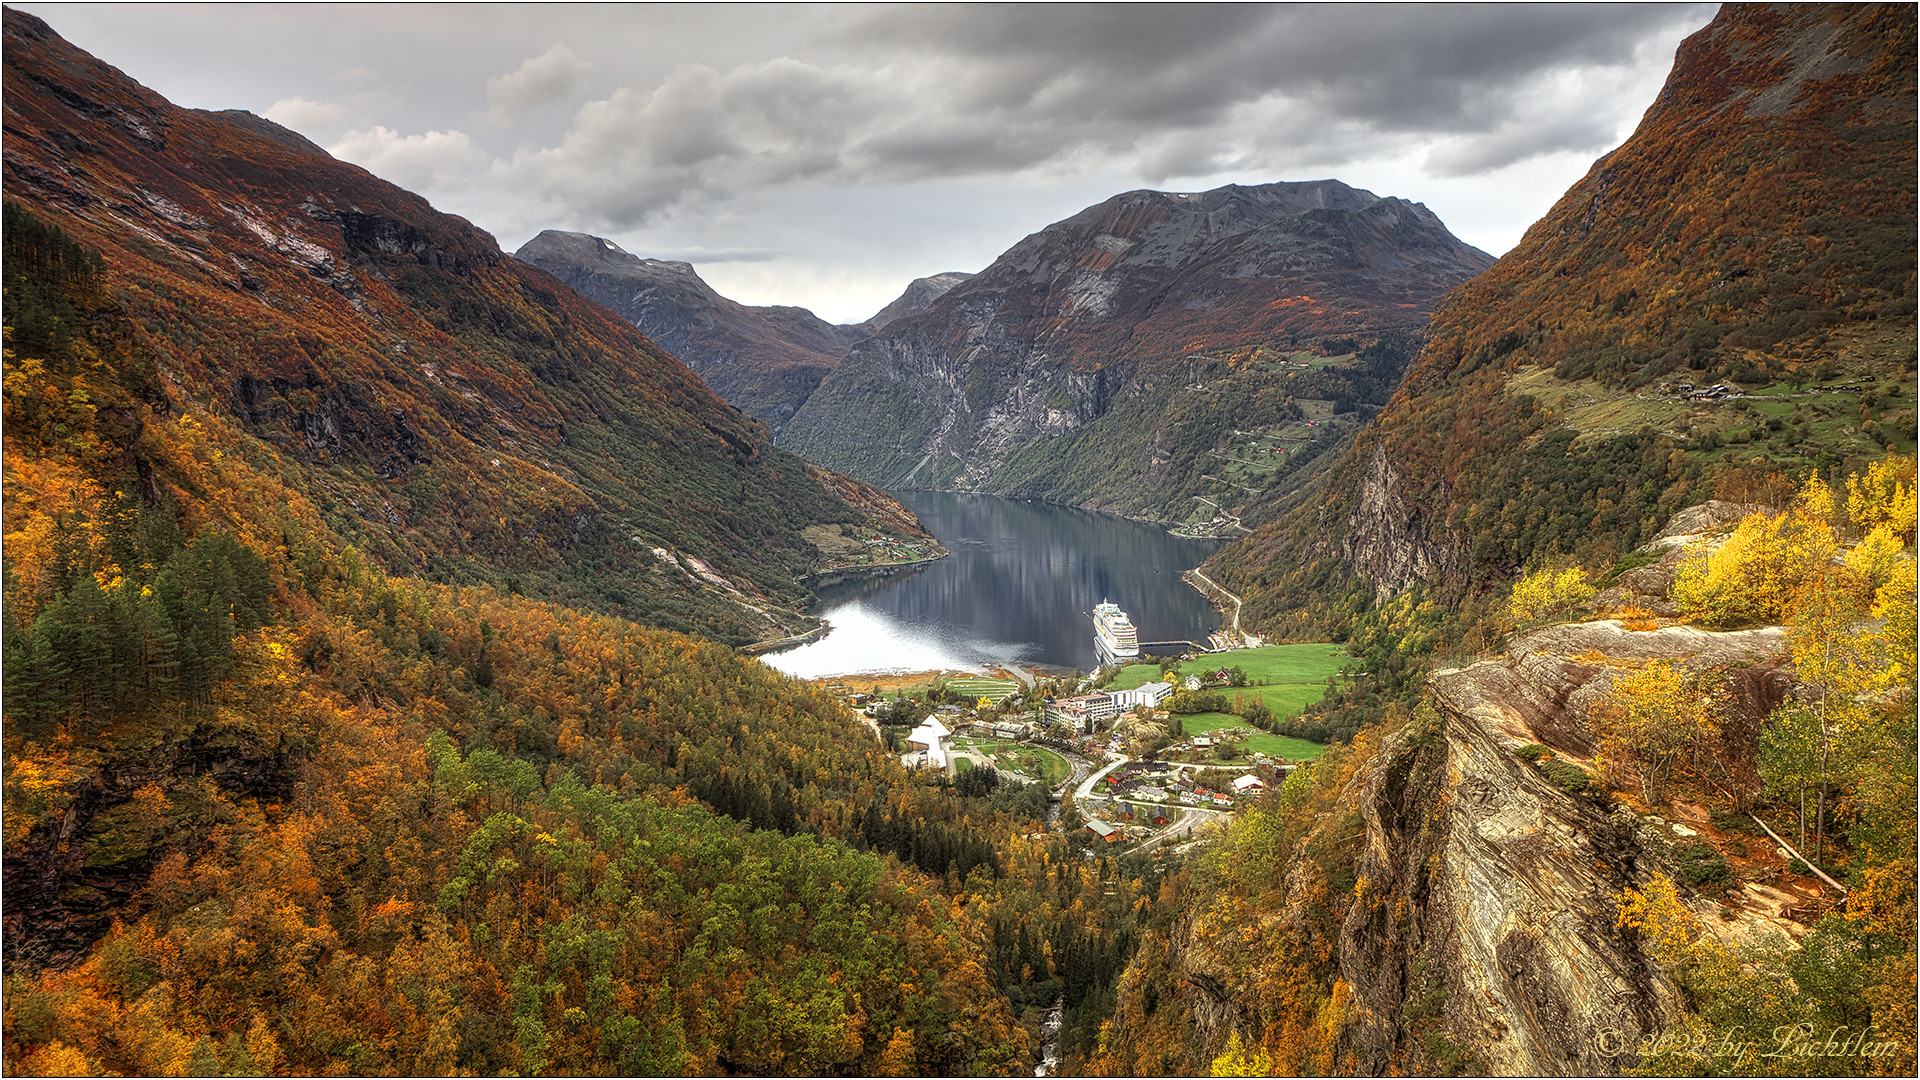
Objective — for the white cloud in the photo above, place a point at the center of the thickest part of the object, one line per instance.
(552, 78)
(633, 154)
(314, 119)
(436, 161)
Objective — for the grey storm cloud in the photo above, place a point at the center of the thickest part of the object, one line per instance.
(1162, 92)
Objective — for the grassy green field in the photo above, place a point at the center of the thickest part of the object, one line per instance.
(1285, 678)
(1032, 760)
(1267, 666)
(994, 690)
(1259, 742)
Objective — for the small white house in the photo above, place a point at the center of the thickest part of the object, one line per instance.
(1247, 783)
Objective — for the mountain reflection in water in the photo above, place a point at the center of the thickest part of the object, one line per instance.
(1017, 588)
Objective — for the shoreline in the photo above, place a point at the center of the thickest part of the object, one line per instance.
(1171, 527)
(838, 574)
(892, 681)
(831, 577)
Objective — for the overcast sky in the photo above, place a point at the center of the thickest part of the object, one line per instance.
(824, 156)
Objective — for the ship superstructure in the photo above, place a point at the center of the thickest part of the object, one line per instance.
(1114, 634)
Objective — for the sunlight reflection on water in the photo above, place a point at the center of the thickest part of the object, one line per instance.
(866, 640)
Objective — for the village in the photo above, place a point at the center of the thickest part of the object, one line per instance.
(1114, 759)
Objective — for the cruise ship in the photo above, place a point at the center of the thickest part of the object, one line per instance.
(1114, 634)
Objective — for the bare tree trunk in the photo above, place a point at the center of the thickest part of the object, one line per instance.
(1802, 817)
(1820, 824)
(1820, 807)
(1817, 872)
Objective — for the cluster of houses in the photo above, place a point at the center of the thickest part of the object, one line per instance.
(931, 744)
(1154, 803)
(1705, 393)
(1159, 782)
(1150, 793)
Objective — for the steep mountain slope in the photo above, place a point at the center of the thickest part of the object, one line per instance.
(1756, 234)
(1143, 298)
(454, 413)
(764, 360)
(268, 809)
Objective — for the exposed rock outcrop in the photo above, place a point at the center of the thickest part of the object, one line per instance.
(1389, 540)
(1489, 887)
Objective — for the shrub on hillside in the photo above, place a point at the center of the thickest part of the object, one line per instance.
(1547, 594)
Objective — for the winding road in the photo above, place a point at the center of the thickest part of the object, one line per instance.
(1211, 584)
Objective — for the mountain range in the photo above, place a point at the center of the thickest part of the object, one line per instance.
(1756, 234)
(1711, 327)
(1133, 312)
(765, 361)
(339, 551)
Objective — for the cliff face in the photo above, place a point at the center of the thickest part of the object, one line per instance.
(1491, 890)
(1738, 273)
(1133, 296)
(1389, 541)
(1460, 900)
(1446, 899)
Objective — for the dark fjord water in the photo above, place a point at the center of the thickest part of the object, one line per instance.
(1018, 588)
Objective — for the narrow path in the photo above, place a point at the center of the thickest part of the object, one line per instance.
(1191, 817)
(1236, 601)
(1232, 520)
(1229, 483)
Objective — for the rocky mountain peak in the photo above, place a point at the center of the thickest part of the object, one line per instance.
(577, 249)
(919, 293)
